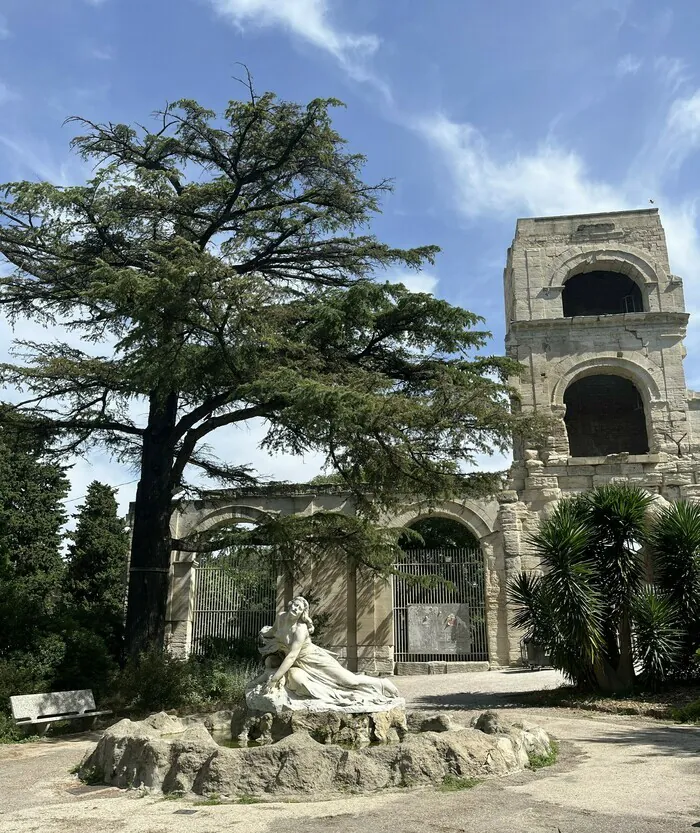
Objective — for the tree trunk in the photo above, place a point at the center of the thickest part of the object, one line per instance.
(617, 677)
(150, 544)
(626, 664)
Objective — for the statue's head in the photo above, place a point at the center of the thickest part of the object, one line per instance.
(299, 608)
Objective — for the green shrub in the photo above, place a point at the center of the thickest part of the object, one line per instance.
(540, 761)
(160, 682)
(217, 648)
(9, 732)
(452, 783)
(155, 682)
(220, 683)
(687, 714)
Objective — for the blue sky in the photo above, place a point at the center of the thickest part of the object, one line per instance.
(480, 112)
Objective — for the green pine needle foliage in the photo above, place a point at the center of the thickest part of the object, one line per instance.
(222, 268)
(95, 578)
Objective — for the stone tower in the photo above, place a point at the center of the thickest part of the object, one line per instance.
(596, 318)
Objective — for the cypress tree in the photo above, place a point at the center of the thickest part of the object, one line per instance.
(96, 569)
(32, 490)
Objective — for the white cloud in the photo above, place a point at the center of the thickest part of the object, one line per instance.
(681, 133)
(550, 180)
(413, 281)
(28, 156)
(672, 72)
(240, 445)
(6, 94)
(605, 8)
(628, 65)
(309, 20)
(4, 28)
(101, 53)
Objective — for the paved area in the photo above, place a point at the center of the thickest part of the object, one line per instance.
(614, 775)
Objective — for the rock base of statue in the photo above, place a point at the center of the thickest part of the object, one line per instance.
(353, 731)
(263, 699)
(179, 755)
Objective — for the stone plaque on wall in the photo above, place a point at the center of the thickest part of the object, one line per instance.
(439, 629)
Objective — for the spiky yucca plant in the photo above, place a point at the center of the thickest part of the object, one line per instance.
(657, 636)
(562, 609)
(590, 607)
(674, 540)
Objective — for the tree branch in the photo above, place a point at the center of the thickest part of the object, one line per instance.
(194, 435)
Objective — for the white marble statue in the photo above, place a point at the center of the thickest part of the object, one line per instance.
(301, 675)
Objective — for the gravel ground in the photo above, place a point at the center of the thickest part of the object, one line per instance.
(614, 774)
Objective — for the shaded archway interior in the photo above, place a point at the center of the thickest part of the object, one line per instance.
(601, 293)
(439, 601)
(439, 533)
(235, 592)
(604, 415)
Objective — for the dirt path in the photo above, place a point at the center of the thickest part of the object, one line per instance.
(614, 774)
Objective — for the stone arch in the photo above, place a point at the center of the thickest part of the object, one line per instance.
(605, 415)
(571, 369)
(478, 520)
(229, 515)
(628, 261)
(633, 370)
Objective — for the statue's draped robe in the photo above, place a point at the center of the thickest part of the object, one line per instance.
(316, 673)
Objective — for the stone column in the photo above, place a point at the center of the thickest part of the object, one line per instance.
(495, 601)
(375, 624)
(180, 609)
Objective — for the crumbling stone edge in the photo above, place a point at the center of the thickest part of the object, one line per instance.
(178, 755)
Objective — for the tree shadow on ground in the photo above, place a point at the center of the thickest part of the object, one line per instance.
(468, 700)
(679, 741)
(534, 697)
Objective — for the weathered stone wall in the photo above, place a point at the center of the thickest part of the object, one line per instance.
(357, 606)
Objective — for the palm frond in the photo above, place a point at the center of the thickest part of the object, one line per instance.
(674, 539)
(658, 639)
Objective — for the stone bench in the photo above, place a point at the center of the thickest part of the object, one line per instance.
(42, 709)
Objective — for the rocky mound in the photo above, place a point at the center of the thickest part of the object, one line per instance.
(172, 754)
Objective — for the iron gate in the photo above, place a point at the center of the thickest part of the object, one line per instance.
(235, 596)
(447, 620)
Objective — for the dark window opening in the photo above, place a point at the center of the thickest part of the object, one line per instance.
(601, 293)
(604, 415)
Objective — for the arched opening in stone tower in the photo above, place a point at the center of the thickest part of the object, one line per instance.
(601, 293)
(605, 415)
